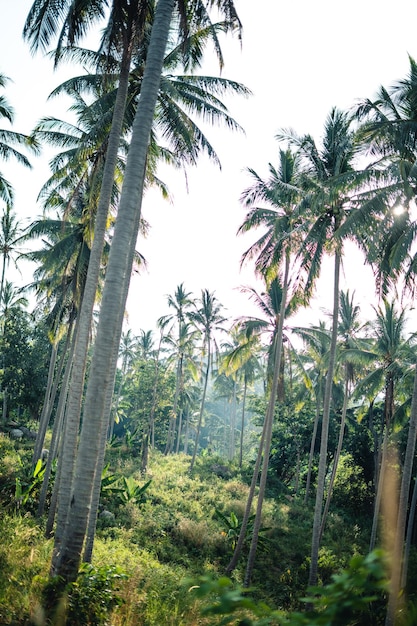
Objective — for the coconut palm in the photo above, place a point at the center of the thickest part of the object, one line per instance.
(10, 240)
(331, 184)
(115, 293)
(273, 254)
(208, 320)
(240, 358)
(388, 135)
(392, 354)
(314, 370)
(352, 351)
(180, 302)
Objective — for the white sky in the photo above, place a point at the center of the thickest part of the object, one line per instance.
(299, 58)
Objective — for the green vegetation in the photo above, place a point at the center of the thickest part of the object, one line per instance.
(135, 471)
(152, 552)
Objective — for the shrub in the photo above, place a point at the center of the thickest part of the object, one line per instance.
(88, 601)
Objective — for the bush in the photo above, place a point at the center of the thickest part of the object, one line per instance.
(88, 601)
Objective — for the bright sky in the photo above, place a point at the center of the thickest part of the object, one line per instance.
(299, 58)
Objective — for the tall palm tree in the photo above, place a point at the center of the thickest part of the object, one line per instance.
(274, 255)
(128, 344)
(180, 302)
(208, 320)
(115, 291)
(388, 134)
(42, 25)
(240, 358)
(392, 354)
(352, 351)
(314, 367)
(331, 184)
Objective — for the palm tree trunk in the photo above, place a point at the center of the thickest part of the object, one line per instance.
(313, 445)
(269, 423)
(242, 423)
(388, 412)
(233, 423)
(203, 401)
(87, 305)
(336, 458)
(43, 424)
(126, 227)
(410, 527)
(50, 394)
(242, 534)
(315, 543)
(56, 434)
(397, 557)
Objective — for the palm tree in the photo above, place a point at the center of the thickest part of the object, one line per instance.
(9, 139)
(390, 352)
(352, 351)
(10, 238)
(41, 25)
(114, 294)
(240, 359)
(273, 253)
(128, 343)
(331, 183)
(208, 320)
(314, 368)
(180, 302)
(388, 134)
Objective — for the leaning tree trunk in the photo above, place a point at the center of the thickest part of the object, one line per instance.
(203, 401)
(44, 418)
(336, 458)
(313, 443)
(243, 528)
(242, 423)
(388, 412)
(50, 394)
(127, 224)
(56, 434)
(315, 543)
(397, 557)
(269, 424)
(87, 305)
(98, 472)
(409, 535)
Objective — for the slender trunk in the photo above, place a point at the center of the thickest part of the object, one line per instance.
(336, 458)
(43, 424)
(177, 447)
(242, 534)
(242, 423)
(315, 543)
(388, 412)
(126, 227)
(187, 432)
(397, 557)
(409, 536)
(378, 497)
(98, 472)
(56, 433)
(233, 424)
(51, 395)
(203, 401)
(269, 424)
(149, 434)
(86, 311)
(313, 443)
